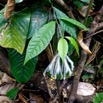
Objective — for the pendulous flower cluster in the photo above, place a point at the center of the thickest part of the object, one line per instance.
(58, 68)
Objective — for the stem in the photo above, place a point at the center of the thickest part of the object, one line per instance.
(55, 17)
(58, 90)
(88, 10)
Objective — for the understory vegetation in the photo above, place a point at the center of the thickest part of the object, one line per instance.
(51, 51)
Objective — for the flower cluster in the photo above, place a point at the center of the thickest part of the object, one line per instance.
(56, 67)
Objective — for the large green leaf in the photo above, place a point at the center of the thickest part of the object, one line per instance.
(74, 43)
(64, 17)
(40, 40)
(62, 48)
(75, 22)
(15, 34)
(38, 18)
(67, 26)
(12, 93)
(22, 73)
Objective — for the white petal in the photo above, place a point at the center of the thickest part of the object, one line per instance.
(58, 68)
(51, 66)
(71, 62)
(67, 69)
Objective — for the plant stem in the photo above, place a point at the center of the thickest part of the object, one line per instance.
(88, 10)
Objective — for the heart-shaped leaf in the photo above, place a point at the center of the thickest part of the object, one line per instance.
(15, 34)
(40, 40)
(62, 48)
(22, 73)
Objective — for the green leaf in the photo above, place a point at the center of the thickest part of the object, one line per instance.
(2, 19)
(12, 93)
(64, 17)
(18, 1)
(70, 48)
(98, 98)
(22, 73)
(15, 34)
(85, 1)
(75, 22)
(40, 40)
(74, 43)
(38, 18)
(68, 27)
(78, 3)
(59, 13)
(62, 48)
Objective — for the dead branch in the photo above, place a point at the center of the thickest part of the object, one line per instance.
(95, 33)
(81, 63)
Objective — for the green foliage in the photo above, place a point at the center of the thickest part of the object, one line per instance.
(15, 34)
(62, 48)
(70, 49)
(40, 40)
(2, 19)
(87, 77)
(89, 21)
(66, 26)
(12, 93)
(69, 28)
(22, 73)
(80, 25)
(38, 18)
(85, 1)
(59, 13)
(74, 43)
(98, 98)
(29, 25)
(78, 3)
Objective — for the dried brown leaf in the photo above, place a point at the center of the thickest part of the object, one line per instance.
(82, 44)
(4, 99)
(9, 8)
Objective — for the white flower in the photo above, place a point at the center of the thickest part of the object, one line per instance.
(57, 68)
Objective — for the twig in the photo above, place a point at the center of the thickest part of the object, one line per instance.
(88, 10)
(60, 90)
(68, 10)
(22, 98)
(94, 34)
